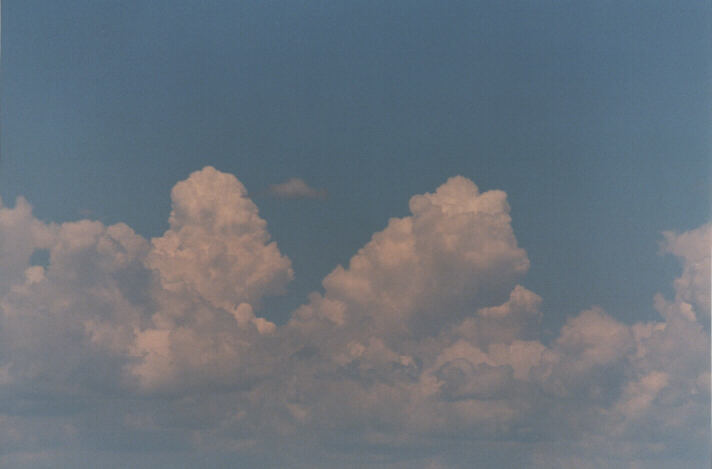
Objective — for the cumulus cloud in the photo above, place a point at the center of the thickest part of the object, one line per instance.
(176, 311)
(217, 247)
(693, 248)
(296, 188)
(213, 266)
(20, 235)
(455, 253)
(424, 343)
(92, 293)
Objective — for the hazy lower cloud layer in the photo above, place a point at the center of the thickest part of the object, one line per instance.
(425, 351)
(296, 188)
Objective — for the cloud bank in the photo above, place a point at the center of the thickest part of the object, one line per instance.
(425, 351)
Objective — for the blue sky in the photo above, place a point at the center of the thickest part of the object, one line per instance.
(593, 117)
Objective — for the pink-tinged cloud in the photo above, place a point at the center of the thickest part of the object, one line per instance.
(423, 341)
(693, 249)
(296, 188)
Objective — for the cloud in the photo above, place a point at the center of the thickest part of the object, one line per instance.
(217, 247)
(20, 235)
(693, 249)
(113, 309)
(53, 317)
(296, 188)
(212, 268)
(424, 350)
(455, 253)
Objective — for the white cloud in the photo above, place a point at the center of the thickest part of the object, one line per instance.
(20, 235)
(456, 253)
(61, 326)
(296, 188)
(214, 265)
(693, 248)
(424, 340)
(217, 247)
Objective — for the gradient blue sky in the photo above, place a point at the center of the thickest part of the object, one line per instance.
(593, 117)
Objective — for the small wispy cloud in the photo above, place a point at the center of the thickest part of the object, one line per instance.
(296, 188)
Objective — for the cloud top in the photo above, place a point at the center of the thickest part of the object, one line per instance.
(217, 246)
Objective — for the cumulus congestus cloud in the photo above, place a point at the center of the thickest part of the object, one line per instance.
(424, 342)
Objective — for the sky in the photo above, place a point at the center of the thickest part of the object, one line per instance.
(369, 234)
